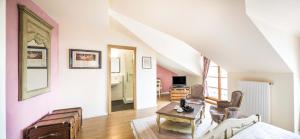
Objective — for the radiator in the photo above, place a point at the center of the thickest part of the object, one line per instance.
(256, 100)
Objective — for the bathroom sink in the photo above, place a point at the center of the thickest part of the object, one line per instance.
(116, 80)
(115, 84)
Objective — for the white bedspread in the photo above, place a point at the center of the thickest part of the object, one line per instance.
(265, 131)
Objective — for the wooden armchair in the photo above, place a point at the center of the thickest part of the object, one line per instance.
(236, 100)
(223, 108)
(197, 96)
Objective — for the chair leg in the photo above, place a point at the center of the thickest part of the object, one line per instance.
(204, 112)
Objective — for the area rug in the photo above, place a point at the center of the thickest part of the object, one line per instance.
(146, 128)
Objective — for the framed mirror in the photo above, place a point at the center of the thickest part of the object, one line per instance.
(34, 54)
(115, 65)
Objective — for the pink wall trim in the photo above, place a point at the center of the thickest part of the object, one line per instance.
(166, 77)
(21, 114)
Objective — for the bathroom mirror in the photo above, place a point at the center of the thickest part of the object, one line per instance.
(34, 54)
(115, 64)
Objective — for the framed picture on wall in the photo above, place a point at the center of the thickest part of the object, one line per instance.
(115, 65)
(84, 59)
(37, 57)
(146, 62)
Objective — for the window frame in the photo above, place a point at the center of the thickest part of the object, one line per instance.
(219, 87)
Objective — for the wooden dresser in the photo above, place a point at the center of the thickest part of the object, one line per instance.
(176, 93)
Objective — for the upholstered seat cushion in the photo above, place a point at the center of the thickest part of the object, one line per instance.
(197, 92)
(216, 115)
(223, 104)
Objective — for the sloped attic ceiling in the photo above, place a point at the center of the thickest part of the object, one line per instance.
(161, 60)
(218, 29)
(171, 51)
(281, 14)
(91, 17)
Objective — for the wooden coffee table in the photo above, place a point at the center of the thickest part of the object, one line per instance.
(169, 113)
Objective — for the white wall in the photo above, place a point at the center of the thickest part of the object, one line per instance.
(81, 87)
(279, 23)
(88, 87)
(146, 78)
(288, 47)
(89, 29)
(281, 94)
(191, 80)
(2, 68)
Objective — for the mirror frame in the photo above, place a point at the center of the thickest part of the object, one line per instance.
(32, 27)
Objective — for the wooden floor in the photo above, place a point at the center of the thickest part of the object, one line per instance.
(116, 125)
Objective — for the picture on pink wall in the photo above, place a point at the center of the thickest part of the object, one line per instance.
(146, 62)
(84, 59)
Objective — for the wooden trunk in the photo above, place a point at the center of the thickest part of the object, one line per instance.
(77, 109)
(52, 129)
(73, 115)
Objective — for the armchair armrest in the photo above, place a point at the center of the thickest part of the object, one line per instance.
(223, 104)
(232, 112)
(189, 96)
(217, 115)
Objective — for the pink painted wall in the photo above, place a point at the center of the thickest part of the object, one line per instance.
(22, 113)
(166, 77)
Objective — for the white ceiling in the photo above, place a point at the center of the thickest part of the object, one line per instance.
(187, 59)
(219, 29)
(172, 66)
(281, 14)
(161, 60)
(89, 16)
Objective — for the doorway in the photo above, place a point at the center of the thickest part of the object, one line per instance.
(122, 78)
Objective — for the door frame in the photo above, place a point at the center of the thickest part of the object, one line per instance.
(3, 69)
(109, 47)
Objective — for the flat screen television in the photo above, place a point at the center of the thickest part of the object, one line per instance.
(179, 81)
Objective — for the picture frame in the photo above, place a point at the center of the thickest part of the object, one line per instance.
(84, 59)
(146, 62)
(37, 57)
(115, 65)
(33, 57)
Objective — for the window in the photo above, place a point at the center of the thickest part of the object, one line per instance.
(217, 83)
